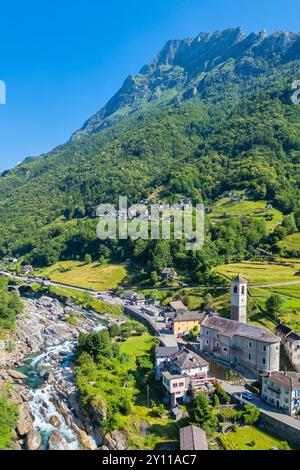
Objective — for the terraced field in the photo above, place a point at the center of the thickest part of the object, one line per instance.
(224, 208)
(89, 276)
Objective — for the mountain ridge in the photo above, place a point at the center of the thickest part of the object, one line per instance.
(186, 68)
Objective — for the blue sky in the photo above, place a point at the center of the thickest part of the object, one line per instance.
(62, 60)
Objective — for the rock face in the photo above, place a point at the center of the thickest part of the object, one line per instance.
(116, 440)
(25, 422)
(57, 442)
(33, 440)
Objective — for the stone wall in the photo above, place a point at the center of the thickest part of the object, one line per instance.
(283, 430)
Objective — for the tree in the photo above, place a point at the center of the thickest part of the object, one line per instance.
(88, 259)
(202, 413)
(8, 420)
(250, 414)
(274, 303)
(96, 344)
(222, 394)
(115, 330)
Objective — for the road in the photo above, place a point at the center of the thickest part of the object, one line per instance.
(158, 325)
(264, 407)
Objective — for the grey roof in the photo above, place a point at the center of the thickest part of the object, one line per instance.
(234, 328)
(283, 329)
(165, 351)
(193, 438)
(170, 376)
(240, 279)
(177, 304)
(185, 315)
(186, 359)
(289, 380)
(293, 336)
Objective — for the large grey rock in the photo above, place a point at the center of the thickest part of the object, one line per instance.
(25, 421)
(33, 440)
(57, 442)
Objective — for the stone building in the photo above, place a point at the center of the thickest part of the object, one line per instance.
(282, 390)
(250, 349)
(291, 344)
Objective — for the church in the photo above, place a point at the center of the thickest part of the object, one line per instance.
(251, 350)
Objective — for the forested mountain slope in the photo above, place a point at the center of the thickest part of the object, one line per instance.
(236, 130)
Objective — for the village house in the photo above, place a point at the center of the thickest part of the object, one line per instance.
(291, 344)
(10, 260)
(162, 358)
(134, 298)
(169, 273)
(282, 390)
(185, 371)
(175, 306)
(193, 438)
(183, 321)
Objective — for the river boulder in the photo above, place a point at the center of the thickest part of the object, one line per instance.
(54, 421)
(33, 440)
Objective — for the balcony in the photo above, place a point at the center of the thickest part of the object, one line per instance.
(274, 390)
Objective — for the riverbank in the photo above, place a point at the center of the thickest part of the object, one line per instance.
(39, 370)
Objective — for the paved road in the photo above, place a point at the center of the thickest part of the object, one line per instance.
(264, 407)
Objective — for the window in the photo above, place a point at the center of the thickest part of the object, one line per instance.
(181, 384)
(206, 332)
(175, 385)
(264, 348)
(250, 345)
(243, 290)
(217, 345)
(225, 349)
(263, 361)
(249, 357)
(207, 342)
(218, 336)
(235, 290)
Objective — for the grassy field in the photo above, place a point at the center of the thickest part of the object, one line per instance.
(260, 272)
(292, 242)
(90, 276)
(138, 345)
(258, 209)
(245, 435)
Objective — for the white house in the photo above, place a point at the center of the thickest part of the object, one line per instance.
(282, 390)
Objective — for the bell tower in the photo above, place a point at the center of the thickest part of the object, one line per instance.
(239, 299)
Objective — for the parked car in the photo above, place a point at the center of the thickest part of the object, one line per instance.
(246, 395)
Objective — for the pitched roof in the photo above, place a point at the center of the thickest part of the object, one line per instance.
(289, 380)
(193, 438)
(176, 305)
(240, 279)
(234, 328)
(283, 329)
(185, 315)
(293, 336)
(165, 351)
(186, 359)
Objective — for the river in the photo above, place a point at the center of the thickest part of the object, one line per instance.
(50, 373)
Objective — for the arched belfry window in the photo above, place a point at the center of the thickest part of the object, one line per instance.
(235, 290)
(243, 290)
